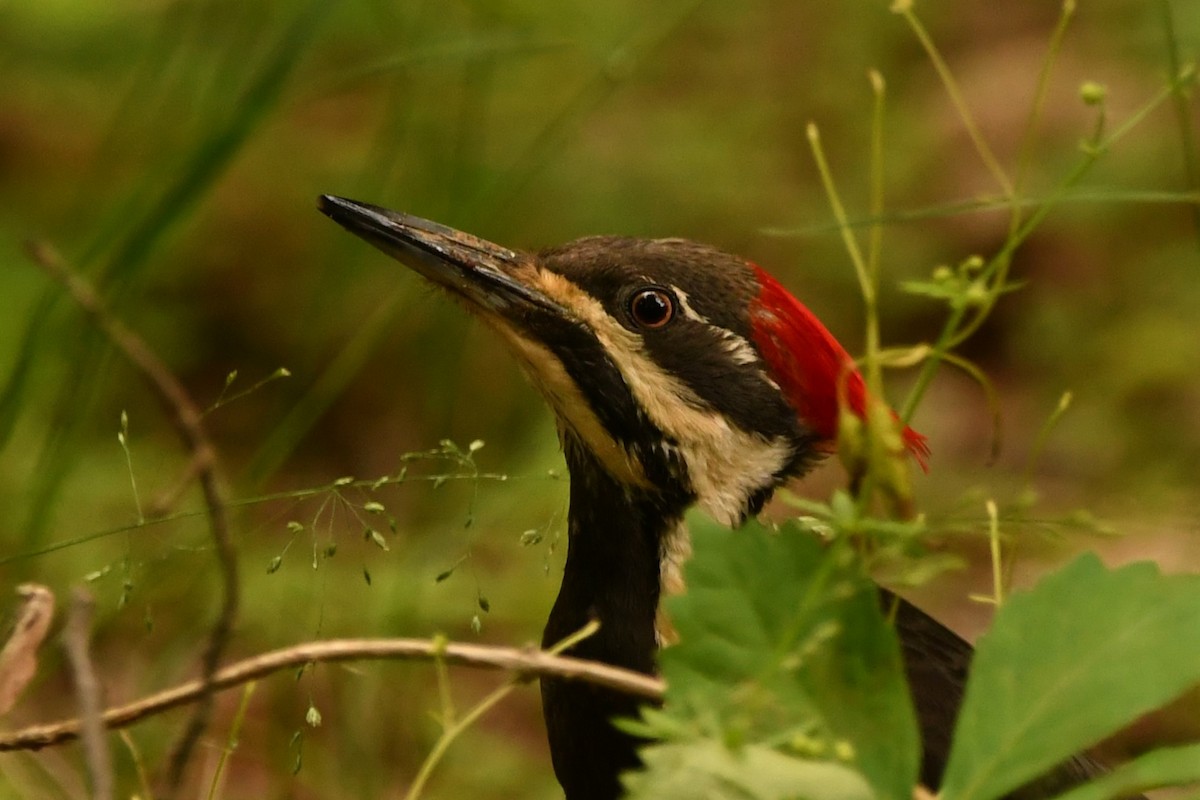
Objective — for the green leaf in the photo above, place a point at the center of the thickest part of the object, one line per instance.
(1168, 766)
(1070, 662)
(706, 769)
(783, 643)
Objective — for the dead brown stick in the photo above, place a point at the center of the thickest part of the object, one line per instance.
(18, 658)
(188, 421)
(521, 661)
(76, 636)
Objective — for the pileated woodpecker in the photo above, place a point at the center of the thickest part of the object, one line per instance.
(679, 375)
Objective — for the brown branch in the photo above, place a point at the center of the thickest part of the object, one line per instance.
(18, 659)
(188, 421)
(87, 687)
(525, 662)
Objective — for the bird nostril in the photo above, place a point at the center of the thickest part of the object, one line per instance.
(652, 308)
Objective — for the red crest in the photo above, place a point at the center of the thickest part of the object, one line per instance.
(808, 364)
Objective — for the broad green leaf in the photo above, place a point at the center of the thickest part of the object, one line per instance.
(1081, 655)
(1168, 766)
(783, 642)
(709, 770)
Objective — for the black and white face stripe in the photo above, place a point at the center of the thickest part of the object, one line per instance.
(642, 348)
(688, 400)
(603, 387)
(707, 347)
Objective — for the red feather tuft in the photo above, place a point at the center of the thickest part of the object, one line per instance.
(808, 363)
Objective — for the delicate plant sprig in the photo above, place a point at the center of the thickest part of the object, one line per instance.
(123, 438)
(338, 501)
(127, 558)
(905, 9)
(893, 550)
(295, 528)
(1039, 443)
(993, 276)
(402, 477)
(986, 203)
(869, 445)
(336, 498)
(957, 328)
(453, 728)
(139, 764)
(1183, 112)
(997, 596)
(1029, 138)
(445, 694)
(875, 234)
(971, 291)
(223, 400)
(231, 741)
(861, 270)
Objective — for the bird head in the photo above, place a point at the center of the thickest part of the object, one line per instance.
(681, 369)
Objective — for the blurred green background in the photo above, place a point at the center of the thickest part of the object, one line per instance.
(173, 152)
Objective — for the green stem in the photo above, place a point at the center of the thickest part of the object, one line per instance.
(997, 562)
(235, 730)
(1025, 153)
(839, 213)
(875, 235)
(996, 270)
(956, 98)
(452, 732)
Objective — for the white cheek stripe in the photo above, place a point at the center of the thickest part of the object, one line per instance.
(738, 348)
(686, 306)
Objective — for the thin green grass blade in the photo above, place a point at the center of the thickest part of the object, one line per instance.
(474, 49)
(1189, 144)
(197, 177)
(12, 398)
(595, 89)
(332, 382)
(981, 205)
(201, 170)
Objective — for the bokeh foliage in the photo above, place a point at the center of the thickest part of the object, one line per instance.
(173, 152)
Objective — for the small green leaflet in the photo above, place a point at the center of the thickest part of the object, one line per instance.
(708, 769)
(785, 659)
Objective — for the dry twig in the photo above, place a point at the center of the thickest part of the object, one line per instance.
(525, 662)
(18, 659)
(87, 688)
(188, 421)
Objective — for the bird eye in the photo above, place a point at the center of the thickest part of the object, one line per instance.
(652, 308)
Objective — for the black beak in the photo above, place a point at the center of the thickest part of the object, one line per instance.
(485, 274)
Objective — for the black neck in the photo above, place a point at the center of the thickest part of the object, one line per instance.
(612, 575)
